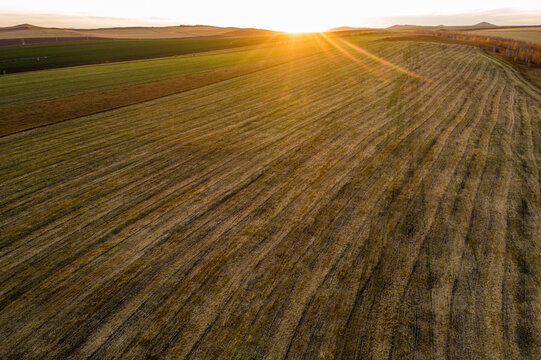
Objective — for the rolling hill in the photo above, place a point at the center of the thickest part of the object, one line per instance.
(484, 23)
(35, 34)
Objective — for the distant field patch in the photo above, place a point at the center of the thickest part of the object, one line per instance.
(528, 34)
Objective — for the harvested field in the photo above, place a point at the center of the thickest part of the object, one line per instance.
(334, 206)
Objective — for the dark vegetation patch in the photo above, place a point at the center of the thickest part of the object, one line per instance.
(20, 58)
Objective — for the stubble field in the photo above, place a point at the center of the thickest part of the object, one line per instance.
(372, 202)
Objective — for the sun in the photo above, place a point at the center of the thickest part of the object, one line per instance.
(300, 27)
(302, 30)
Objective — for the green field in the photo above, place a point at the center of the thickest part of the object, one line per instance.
(41, 97)
(354, 199)
(47, 56)
(57, 83)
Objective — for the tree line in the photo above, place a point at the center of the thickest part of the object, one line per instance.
(516, 50)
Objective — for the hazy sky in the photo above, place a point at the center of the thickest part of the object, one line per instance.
(288, 15)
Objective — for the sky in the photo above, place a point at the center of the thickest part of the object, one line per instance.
(284, 15)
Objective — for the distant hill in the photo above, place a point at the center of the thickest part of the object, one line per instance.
(249, 32)
(347, 28)
(403, 27)
(484, 23)
(20, 27)
(36, 34)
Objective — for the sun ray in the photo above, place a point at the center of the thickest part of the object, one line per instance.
(347, 53)
(383, 61)
(368, 54)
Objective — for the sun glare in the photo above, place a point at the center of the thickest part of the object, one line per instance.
(302, 30)
(295, 26)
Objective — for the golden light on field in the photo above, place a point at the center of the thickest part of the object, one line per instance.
(362, 56)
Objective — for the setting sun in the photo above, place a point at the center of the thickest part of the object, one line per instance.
(300, 29)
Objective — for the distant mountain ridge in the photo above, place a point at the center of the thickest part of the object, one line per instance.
(484, 23)
(19, 27)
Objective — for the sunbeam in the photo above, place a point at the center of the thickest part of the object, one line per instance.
(383, 61)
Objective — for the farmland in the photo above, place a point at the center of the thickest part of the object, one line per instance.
(527, 34)
(368, 199)
(49, 56)
(37, 98)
